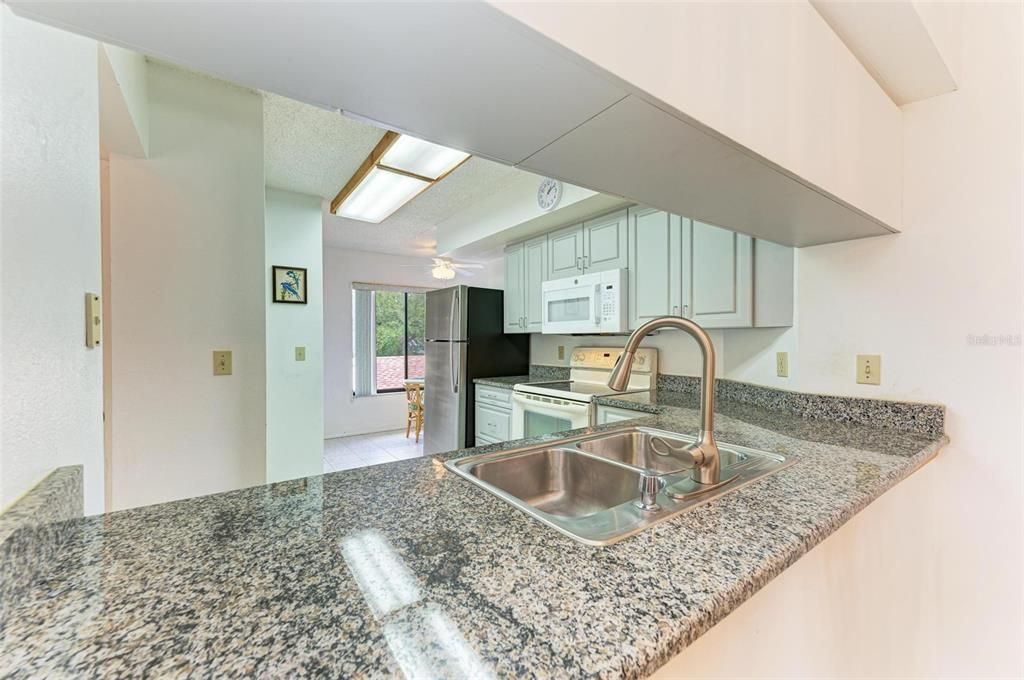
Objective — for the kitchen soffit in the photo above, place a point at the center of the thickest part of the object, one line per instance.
(466, 76)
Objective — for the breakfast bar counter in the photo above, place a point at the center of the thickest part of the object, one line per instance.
(405, 568)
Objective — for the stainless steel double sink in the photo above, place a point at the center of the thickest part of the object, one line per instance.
(589, 487)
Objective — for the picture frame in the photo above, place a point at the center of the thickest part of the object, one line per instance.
(288, 285)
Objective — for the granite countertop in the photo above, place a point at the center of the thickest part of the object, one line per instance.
(506, 382)
(406, 568)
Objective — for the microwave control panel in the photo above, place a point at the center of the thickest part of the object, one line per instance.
(609, 302)
(612, 303)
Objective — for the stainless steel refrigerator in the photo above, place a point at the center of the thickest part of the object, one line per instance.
(465, 341)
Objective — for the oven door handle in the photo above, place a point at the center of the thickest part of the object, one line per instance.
(525, 402)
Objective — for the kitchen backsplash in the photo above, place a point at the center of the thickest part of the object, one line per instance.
(541, 372)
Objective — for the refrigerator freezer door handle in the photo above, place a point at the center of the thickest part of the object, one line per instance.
(454, 361)
(455, 367)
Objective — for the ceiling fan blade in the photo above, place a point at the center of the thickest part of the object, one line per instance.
(467, 266)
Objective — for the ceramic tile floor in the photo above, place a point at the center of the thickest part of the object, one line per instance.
(345, 453)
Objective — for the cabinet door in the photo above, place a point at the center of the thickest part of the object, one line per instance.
(658, 269)
(491, 423)
(605, 243)
(565, 252)
(514, 289)
(723, 289)
(535, 268)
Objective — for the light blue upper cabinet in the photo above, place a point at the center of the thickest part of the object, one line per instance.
(722, 279)
(526, 266)
(738, 281)
(605, 243)
(535, 269)
(515, 289)
(675, 266)
(659, 263)
(565, 252)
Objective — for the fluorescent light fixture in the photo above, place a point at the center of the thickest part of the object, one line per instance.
(381, 193)
(425, 159)
(397, 169)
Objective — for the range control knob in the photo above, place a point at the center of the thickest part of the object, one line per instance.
(577, 356)
(641, 360)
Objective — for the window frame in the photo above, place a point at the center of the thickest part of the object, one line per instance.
(374, 289)
(405, 341)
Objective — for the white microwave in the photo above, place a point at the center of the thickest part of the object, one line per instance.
(588, 303)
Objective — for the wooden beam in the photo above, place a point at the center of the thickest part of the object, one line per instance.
(382, 147)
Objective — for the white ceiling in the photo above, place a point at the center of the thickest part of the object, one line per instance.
(893, 43)
(315, 151)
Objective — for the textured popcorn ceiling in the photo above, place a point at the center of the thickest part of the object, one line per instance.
(314, 151)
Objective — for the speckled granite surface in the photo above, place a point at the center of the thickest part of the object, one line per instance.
(541, 372)
(900, 415)
(407, 568)
(507, 382)
(538, 373)
(34, 530)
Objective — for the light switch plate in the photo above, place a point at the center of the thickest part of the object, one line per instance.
(782, 364)
(300, 353)
(222, 362)
(561, 351)
(869, 369)
(93, 320)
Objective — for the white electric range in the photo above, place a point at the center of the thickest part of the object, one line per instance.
(546, 407)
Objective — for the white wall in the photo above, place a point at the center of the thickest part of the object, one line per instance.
(124, 102)
(772, 76)
(345, 414)
(295, 389)
(943, 598)
(188, 277)
(51, 390)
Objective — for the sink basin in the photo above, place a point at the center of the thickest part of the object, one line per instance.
(652, 450)
(560, 482)
(587, 487)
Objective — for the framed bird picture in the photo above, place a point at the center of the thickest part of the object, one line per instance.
(289, 284)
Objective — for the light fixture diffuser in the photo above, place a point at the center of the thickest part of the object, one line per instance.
(380, 194)
(397, 169)
(422, 158)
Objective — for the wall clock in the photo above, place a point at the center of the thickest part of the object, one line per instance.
(549, 193)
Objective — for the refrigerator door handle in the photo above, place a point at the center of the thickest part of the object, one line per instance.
(455, 368)
(451, 354)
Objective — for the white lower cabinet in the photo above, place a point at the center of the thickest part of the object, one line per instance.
(612, 414)
(492, 414)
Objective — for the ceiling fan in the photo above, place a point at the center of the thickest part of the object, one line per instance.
(445, 268)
